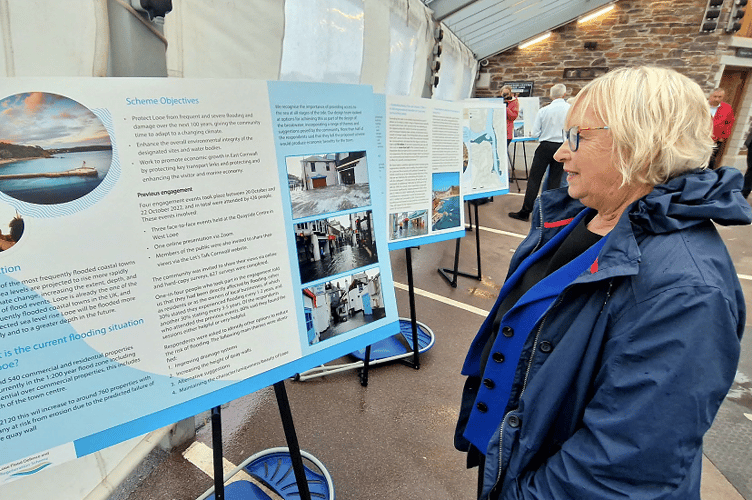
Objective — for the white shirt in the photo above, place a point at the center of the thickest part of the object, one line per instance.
(549, 122)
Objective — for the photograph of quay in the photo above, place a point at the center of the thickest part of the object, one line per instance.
(343, 304)
(52, 149)
(335, 245)
(327, 183)
(408, 224)
(445, 201)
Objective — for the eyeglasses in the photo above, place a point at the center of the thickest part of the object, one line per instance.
(573, 135)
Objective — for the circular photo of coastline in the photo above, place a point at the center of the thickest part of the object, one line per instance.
(11, 227)
(52, 149)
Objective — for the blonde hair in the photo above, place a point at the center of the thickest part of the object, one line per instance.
(659, 120)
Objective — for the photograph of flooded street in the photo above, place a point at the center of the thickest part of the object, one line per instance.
(335, 245)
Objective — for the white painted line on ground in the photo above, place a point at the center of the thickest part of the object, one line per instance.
(202, 457)
(748, 415)
(505, 233)
(439, 298)
(523, 236)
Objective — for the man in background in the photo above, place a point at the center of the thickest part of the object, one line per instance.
(723, 121)
(548, 127)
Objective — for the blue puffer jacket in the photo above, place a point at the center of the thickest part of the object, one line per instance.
(623, 375)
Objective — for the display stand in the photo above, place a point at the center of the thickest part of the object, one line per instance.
(415, 363)
(455, 272)
(292, 442)
(513, 159)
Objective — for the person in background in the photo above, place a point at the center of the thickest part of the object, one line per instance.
(513, 110)
(723, 121)
(747, 186)
(616, 334)
(548, 127)
(16, 226)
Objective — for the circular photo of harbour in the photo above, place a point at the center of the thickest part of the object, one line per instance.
(52, 149)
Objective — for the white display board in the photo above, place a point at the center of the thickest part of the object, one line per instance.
(423, 167)
(484, 144)
(179, 250)
(523, 125)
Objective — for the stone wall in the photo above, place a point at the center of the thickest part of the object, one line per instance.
(636, 32)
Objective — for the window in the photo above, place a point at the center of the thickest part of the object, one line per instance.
(308, 319)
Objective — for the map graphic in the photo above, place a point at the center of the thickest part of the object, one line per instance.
(484, 140)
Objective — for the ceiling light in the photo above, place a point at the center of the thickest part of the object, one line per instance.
(597, 13)
(535, 40)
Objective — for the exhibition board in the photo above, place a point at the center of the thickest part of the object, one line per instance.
(184, 243)
(423, 170)
(484, 142)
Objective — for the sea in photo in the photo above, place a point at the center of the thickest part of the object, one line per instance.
(448, 214)
(446, 203)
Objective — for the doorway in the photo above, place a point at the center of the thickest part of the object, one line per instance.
(734, 82)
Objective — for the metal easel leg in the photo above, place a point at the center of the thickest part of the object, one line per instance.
(292, 440)
(445, 271)
(219, 474)
(413, 321)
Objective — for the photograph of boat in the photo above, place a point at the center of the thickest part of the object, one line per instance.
(52, 149)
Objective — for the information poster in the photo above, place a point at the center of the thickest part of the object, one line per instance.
(423, 171)
(484, 145)
(523, 125)
(169, 245)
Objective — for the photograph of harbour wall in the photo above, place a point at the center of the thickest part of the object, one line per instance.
(327, 183)
(445, 201)
(52, 149)
(335, 245)
(343, 304)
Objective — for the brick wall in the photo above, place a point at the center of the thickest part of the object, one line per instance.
(663, 32)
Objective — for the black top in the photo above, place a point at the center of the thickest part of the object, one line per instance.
(579, 240)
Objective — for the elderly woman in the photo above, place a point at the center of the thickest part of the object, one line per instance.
(616, 334)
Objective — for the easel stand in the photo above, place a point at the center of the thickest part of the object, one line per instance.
(513, 160)
(445, 271)
(290, 435)
(415, 363)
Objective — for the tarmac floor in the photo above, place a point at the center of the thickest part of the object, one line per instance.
(393, 438)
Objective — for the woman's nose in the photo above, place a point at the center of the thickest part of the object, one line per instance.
(563, 153)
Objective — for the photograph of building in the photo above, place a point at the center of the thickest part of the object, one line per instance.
(343, 304)
(327, 183)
